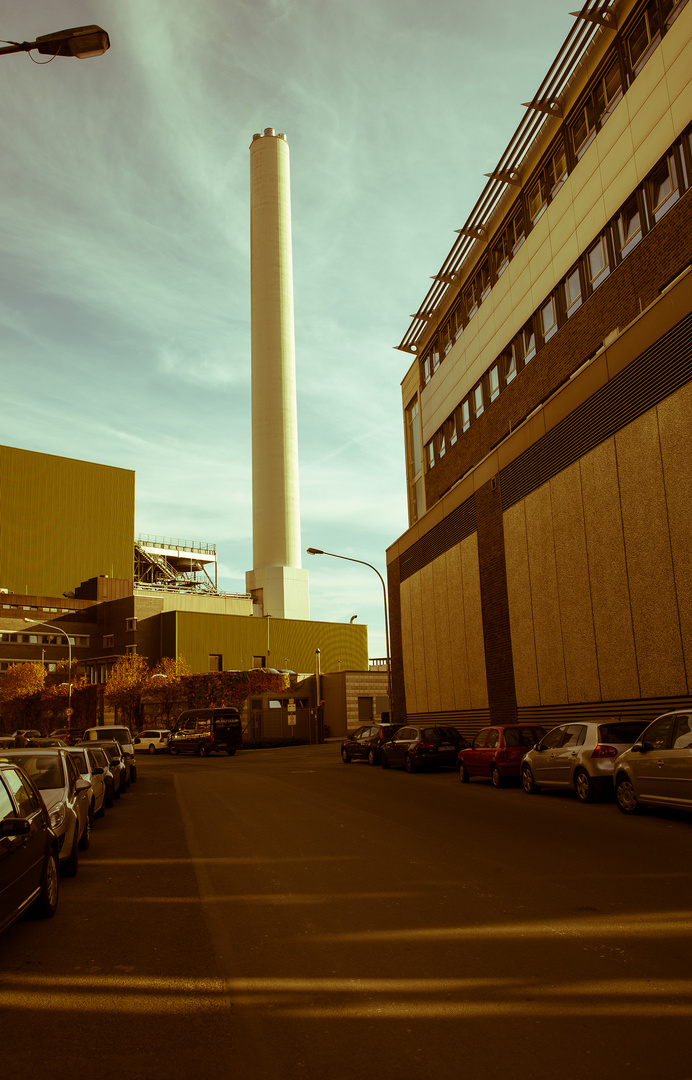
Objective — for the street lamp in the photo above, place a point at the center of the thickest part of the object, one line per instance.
(69, 655)
(80, 41)
(317, 551)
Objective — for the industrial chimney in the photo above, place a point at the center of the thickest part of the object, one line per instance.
(277, 583)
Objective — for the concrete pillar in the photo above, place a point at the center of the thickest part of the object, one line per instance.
(277, 579)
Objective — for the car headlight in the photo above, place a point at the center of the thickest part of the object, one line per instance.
(57, 816)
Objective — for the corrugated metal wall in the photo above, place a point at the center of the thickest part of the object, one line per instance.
(62, 521)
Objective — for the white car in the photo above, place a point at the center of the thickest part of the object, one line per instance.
(92, 770)
(152, 739)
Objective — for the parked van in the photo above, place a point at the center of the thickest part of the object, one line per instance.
(201, 731)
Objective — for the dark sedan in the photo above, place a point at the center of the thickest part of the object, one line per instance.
(365, 743)
(28, 849)
(432, 746)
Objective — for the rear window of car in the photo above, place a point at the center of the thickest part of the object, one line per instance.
(627, 731)
(79, 760)
(523, 736)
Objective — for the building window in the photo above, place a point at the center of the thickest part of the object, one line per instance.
(259, 661)
(537, 199)
(527, 342)
(573, 295)
(478, 402)
(453, 434)
(608, 92)
(130, 625)
(510, 359)
(557, 169)
(494, 381)
(441, 445)
(215, 662)
(582, 129)
(108, 641)
(465, 415)
(597, 263)
(663, 187)
(628, 227)
(470, 299)
(131, 650)
(414, 461)
(430, 451)
(643, 36)
(548, 319)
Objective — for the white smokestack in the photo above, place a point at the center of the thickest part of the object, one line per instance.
(277, 581)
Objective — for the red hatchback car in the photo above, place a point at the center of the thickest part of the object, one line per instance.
(496, 752)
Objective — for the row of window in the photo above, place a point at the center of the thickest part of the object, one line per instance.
(10, 638)
(671, 176)
(623, 62)
(27, 607)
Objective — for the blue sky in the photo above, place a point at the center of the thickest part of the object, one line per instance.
(124, 244)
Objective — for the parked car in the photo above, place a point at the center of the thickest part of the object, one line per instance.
(365, 743)
(68, 735)
(657, 768)
(496, 752)
(203, 731)
(28, 733)
(6, 742)
(417, 747)
(117, 763)
(152, 740)
(90, 770)
(28, 849)
(66, 796)
(100, 757)
(579, 756)
(123, 735)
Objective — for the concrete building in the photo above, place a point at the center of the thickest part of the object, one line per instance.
(548, 410)
(277, 582)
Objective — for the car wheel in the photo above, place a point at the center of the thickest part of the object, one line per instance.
(203, 750)
(584, 787)
(384, 761)
(464, 774)
(47, 900)
(372, 757)
(71, 865)
(409, 764)
(345, 756)
(152, 748)
(527, 781)
(173, 750)
(626, 796)
(496, 776)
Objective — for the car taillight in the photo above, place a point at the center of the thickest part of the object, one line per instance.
(604, 751)
(424, 746)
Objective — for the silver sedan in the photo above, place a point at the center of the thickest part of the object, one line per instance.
(657, 769)
(579, 756)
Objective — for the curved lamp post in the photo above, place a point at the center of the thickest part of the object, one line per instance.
(80, 41)
(317, 551)
(69, 655)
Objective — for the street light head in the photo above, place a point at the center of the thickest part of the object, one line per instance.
(315, 551)
(80, 41)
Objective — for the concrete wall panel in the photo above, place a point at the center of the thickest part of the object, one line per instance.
(545, 603)
(520, 610)
(442, 630)
(473, 622)
(574, 587)
(649, 559)
(608, 573)
(457, 631)
(675, 432)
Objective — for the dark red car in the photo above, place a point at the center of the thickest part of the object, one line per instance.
(496, 752)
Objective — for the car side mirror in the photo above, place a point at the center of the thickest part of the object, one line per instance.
(641, 747)
(98, 771)
(82, 785)
(15, 826)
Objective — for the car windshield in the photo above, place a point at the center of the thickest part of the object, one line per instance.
(112, 749)
(523, 736)
(45, 770)
(107, 734)
(625, 732)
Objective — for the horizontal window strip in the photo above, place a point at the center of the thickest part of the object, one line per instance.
(444, 536)
(661, 370)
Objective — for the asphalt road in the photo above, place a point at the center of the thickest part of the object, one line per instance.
(279, 915)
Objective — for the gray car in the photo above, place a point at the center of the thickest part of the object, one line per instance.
(657, 769)
(579, 756)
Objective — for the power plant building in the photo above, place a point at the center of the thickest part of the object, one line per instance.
(545, 574)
